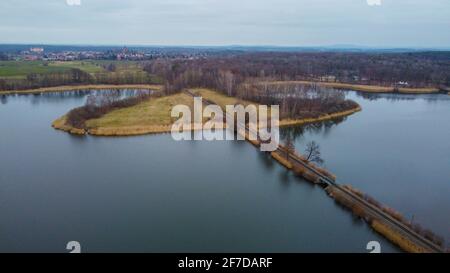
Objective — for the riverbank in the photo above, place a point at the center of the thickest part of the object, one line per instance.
(61, 124)
(292, 122)
(83, 87)
(363, 88)
(396, 238)
(153, 116)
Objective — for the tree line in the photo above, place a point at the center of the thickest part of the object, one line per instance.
(225, 73)
(75, 76)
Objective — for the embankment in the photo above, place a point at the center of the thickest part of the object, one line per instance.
(61, 124)
(283, 161)
(396, 238)
(291, 122)
(364, 88)
(359, 210)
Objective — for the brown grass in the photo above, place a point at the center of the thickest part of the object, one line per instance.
(359, 211)
(339, 198)
(150, 116)
(61, 124)
(428, 90)
(306, 174)
(130, 130)
(283, 161)
(363, 88)
(152, 112)
(397, 238)
(322, 171)
(290, 122)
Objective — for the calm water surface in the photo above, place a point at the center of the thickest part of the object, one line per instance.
(152, 194)
(397, 150)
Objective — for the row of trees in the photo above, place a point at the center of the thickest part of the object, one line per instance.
(76, 77)
(34, 80)
(297, 101)
(225, 73)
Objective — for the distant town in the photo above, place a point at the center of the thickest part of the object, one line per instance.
(120, 54)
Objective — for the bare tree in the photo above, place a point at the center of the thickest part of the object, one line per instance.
(312, 153)
(290, 147)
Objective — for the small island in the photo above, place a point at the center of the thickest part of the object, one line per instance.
(150, 115)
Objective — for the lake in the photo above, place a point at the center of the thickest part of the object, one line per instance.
(153, 194)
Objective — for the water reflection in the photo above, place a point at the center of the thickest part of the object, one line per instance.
(296, 132)
(154, 194)
(3, 99)
(393, 97)
(43, 97)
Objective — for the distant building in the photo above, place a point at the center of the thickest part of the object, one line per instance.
(328, 78)
(38, 50)
(31, 58)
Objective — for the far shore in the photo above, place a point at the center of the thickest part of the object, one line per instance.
(336, 85)
(364, 88)
(82, 87)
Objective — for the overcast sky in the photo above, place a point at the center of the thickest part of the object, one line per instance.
(385, 23)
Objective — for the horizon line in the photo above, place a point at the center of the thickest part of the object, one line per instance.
(337, 46)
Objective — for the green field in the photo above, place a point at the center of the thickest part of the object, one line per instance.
(20, 69)
(87, 66)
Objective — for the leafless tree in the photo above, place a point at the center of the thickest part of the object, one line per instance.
(312, 153)
(290, 147)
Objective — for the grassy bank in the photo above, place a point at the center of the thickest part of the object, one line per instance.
(83, 87)
(282, 160)
(150, 116)
(61, 124)
(396, 238)
(387, 232)
(363, 88)
(219, 98)
(291, 122)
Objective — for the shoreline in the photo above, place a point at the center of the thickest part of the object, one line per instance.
(364, 88)
(292, 122)
(60, 124)
(66, 88)
(336, 85)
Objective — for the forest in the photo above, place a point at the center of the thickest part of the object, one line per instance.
(226, 72)
(383, 69)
